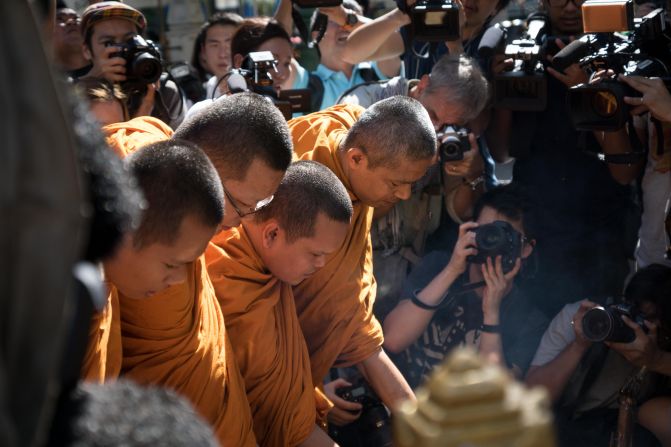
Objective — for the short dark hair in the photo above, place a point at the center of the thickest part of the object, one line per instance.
(236, 129)
(177, 180)
(308, 189)
(253, 32)
(219, 18)
(123, 413)
(652, 284)
(512, 201)
(393, 130)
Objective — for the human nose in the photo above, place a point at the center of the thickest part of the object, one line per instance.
(403, 192)
(320, 261)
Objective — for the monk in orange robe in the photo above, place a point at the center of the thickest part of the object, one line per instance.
(127, 137)
(253, 268)
(377, 153)
(250, 156)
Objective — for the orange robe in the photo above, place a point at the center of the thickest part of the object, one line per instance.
(335, 305)
(127, 137)
(102, 361)
(263, 327)
(177, 339)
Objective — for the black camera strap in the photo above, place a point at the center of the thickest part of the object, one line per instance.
(638, 152)
(449, 299)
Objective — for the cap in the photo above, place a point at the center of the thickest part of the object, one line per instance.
(99, 12)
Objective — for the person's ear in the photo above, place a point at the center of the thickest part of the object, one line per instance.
(237, 60)
(424, 82)
(271, 234)
(356, 158)
(528, 248)
(86, 51)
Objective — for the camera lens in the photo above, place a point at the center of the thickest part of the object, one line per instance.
(604, 103)
(489, 238)
(597, 324)
(147, 68)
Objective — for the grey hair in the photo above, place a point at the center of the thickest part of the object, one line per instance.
(459, 78)
(393, 130)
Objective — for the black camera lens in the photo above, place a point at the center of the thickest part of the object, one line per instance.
(604, 103)
(597, 324)
(490, 239)
(146, 68)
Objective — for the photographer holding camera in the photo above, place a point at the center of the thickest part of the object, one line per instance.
(579, 203)
(113, 43)
(584, 377)
(439, 312)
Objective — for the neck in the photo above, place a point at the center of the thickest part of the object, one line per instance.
(69, 59)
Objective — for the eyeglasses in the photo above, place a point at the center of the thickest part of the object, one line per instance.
(563, 3)
(254, 209)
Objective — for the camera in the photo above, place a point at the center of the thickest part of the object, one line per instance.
(524, 86)
(644, 51)
(498, 238)
(434, 20)
(143, 61)
(373, 427)
(186, 77)
(606, 324)
(453, 143)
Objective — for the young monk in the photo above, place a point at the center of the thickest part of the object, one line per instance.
(139, 267)
(378, 154)
(253, 268)
(166, 338)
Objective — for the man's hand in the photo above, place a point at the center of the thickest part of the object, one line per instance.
(112, 68)
(656, 97)
(147, 104)
(573, 74)
(576, 322)
(456, 47)
(343, 412)
(464, 247)
(497, 285)
(471, 167)
(643, 351)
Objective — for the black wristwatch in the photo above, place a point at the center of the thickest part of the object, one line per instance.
(351, 19)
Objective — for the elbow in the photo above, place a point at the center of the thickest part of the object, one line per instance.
(392, 343)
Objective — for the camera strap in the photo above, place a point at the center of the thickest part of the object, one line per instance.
(448, 300)
(639, 148)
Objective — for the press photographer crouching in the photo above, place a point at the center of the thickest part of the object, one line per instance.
(118, 53)
(472, 296)
(601, 362)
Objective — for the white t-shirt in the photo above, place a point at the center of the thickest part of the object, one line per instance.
(656, 187)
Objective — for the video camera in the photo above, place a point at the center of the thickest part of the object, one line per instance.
(373, 427)
(606, 324)
(433, 20)
(498, 238)
(256, 76)
(620, 43)
(524, 87)
(453, 143)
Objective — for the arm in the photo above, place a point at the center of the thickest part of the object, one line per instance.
(283, 16)
(386, 379)
(406, 322)
(376, 40)
(644, 350)
(555, 374)
(618, 143)
(318, 438)
(460, 195)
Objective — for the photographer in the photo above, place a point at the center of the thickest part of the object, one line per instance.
(579, 204)
(106, 28)
(67, 42)
(584, 378)
(499, 318)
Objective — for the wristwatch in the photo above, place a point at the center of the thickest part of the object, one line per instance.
(475, 182)
(351, 19)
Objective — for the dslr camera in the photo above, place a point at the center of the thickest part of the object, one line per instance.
(524, 86)
(373, 427)
(433, 20)
(143, 61)
(606, 324)
(317, 3)
(453, 143)
(498, 238)
(644, 50)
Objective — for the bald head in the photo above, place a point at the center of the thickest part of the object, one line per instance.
(307, 190)
(235, 130)
(392, 131)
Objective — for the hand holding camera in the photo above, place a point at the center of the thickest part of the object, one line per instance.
(464, 248)
(655, 97)
(571, 75)
(462, 161)
(643, 350)
(344, 411)
(497, 285)
(111, 67)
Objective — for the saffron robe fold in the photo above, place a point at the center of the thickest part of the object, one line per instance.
(267, 340)
(335, 305)
(127, 137)
(102, 361)
(177, 339)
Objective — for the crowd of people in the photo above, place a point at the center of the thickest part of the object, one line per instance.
(280, 266)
